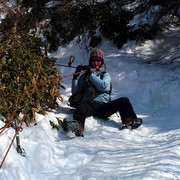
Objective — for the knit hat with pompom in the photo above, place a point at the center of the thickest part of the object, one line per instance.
(96, 53)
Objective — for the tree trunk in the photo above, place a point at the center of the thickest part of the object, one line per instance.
(17, 15)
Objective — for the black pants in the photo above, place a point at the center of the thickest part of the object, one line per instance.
(122, 105)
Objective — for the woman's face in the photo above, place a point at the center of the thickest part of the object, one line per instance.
(96, 63)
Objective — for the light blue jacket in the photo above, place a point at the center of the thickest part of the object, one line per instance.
(95, 89)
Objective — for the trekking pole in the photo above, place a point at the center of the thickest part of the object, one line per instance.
(19, 149)
(71, 60)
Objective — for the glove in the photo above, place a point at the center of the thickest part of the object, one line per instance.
(78, 69)
(88, 70)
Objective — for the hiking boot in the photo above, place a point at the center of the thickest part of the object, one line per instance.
(75, 128)
(135, 123)
(132, 124)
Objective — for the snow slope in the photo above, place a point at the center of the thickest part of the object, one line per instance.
(150, 152)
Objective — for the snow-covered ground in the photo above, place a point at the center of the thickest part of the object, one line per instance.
(106, 153)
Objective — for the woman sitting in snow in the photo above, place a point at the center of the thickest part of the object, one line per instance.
(95, 85)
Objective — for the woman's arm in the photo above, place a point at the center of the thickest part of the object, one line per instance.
(77, 85)
(101, 84)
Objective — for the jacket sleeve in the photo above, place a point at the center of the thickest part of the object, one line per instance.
(77, 85)
(102, 85)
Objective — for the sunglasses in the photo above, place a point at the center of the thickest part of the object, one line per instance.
(96, 59)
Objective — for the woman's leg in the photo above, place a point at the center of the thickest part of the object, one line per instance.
(83, 111)
(122, 105)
